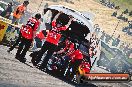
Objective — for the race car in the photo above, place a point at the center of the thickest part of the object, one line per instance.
(80, 30)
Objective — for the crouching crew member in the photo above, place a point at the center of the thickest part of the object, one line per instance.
(28, 32)
(74, 57)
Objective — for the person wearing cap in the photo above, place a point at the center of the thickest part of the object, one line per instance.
(7, 12)
(19, 11)
(28, 33)
(52, 39)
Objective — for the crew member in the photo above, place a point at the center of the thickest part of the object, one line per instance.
(40, 38)
(19, 11)
(28, 33)
(52, 39)
(74, 56)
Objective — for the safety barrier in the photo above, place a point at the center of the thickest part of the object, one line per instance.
(8, 32)
(125, 47)
(3, 27)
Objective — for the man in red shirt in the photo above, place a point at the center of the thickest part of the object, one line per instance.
(84, 68)
(28, 32)
(74, 56)
(39, 39)
(42, 35)
(52, 39)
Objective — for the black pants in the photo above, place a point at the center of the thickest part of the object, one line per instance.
(23, 47)
(50, 48)
(16, 43)
(75, 66)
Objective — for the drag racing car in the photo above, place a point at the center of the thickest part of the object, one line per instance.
(81, 31)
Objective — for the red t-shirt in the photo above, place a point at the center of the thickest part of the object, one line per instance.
(85, 66)
(40, 35)
(72, 53)
(69, 47)
(76, 55)
(53, 36)
(27, 30)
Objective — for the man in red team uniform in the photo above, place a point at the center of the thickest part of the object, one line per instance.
(74, 56)
(52, 39)
(39, 38)
(76, 59)
(28, 32)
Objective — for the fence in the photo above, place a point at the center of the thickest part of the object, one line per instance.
(114, 42)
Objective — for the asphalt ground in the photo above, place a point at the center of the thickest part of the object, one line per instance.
(16, 74)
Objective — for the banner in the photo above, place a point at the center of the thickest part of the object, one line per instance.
(12, 33)
(3, 27)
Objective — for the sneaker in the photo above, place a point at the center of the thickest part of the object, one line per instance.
(23, 60)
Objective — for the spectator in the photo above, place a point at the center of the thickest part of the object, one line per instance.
(130, 24)
(46, 5)
(102, 36)
(114, 14)
(108, 38)
(15, 44)
(112, 5)
(19, 11)
(130, 13)
(7, 12)
(126, 11)
(117, 7)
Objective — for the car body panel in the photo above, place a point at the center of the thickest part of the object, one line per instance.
(76, 14)
(84, 18)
